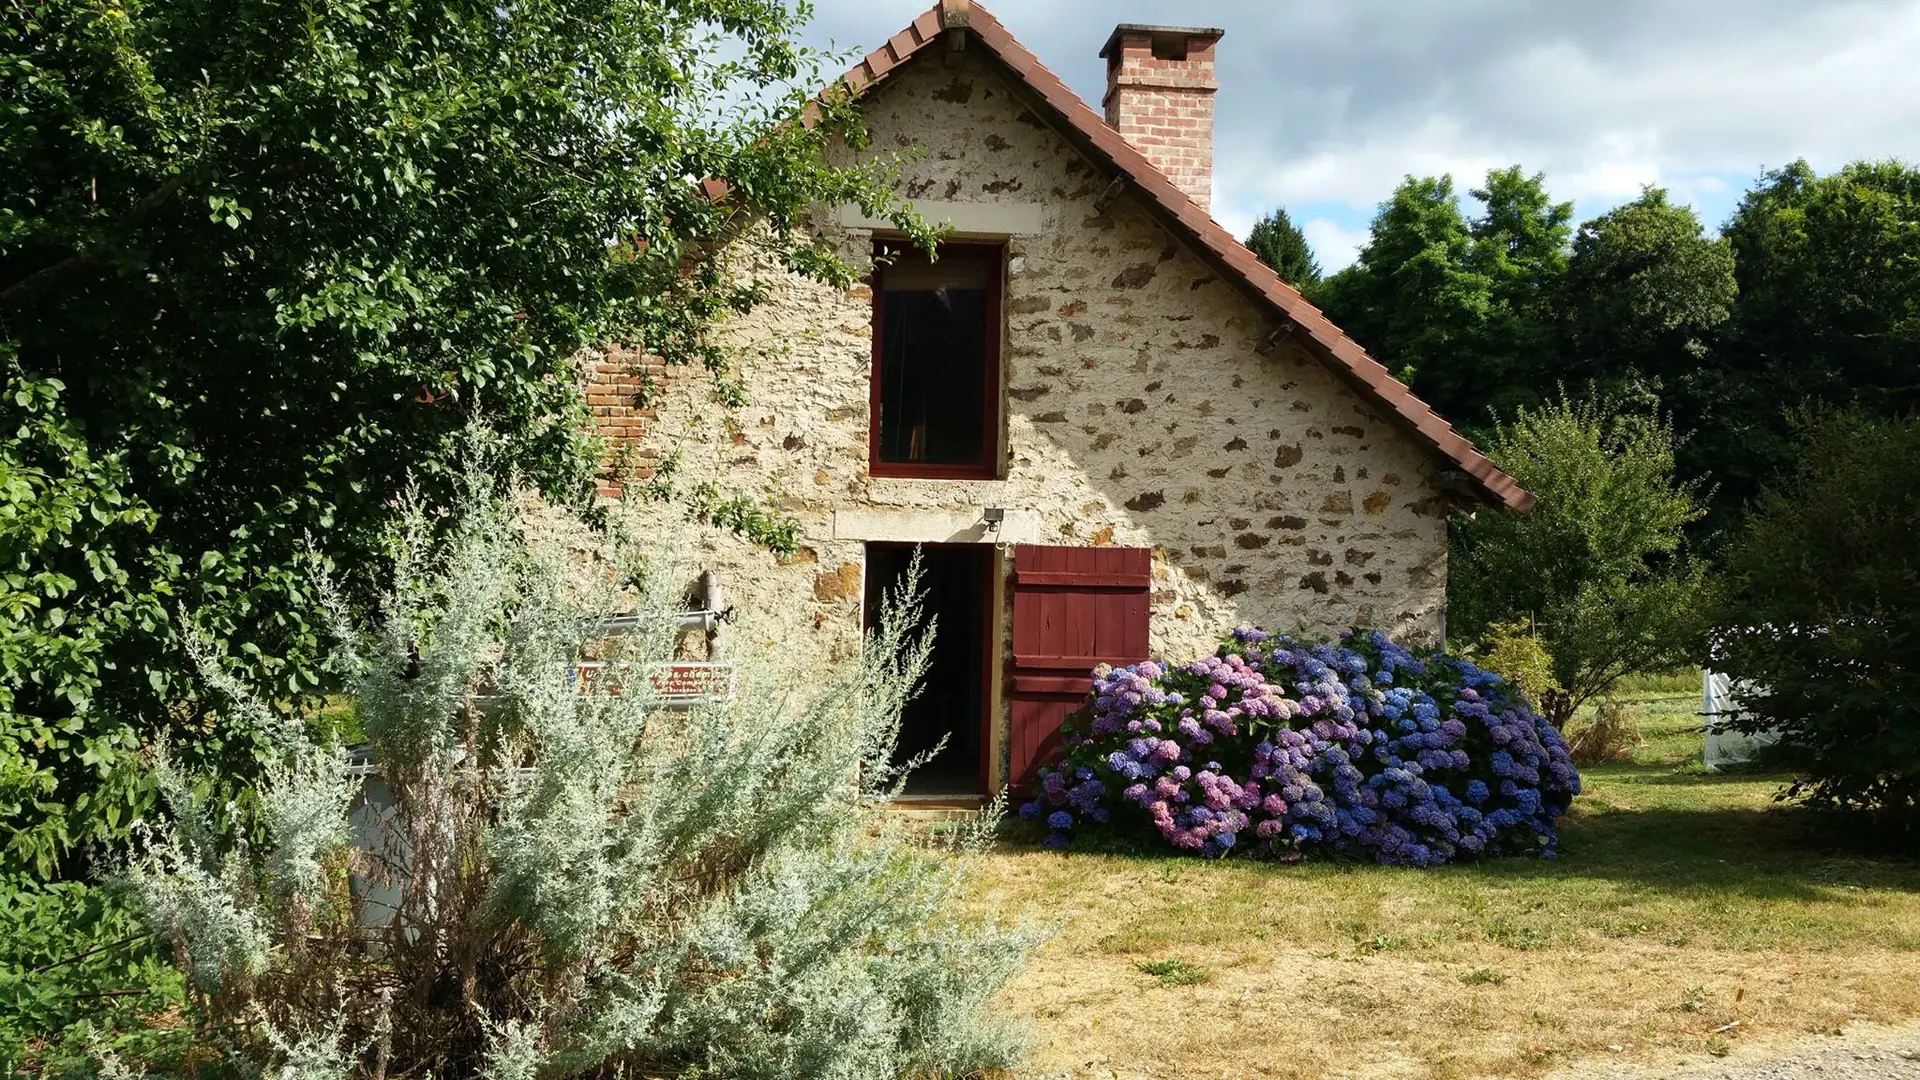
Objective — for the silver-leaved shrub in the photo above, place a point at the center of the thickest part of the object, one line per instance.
(523, 872)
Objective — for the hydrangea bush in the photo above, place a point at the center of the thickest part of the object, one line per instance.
(1281, 746)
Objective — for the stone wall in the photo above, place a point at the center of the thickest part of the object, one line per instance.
(1138, 414)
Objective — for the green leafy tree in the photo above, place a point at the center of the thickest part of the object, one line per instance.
(1812, 295)
(1520, 238)
(1644, 292)
(1643, 303)
(1599, 566)
(1828, 314)
(1460, 308)
(1410, 297)
(1520, 246)
(1819, 618)
(259, 269)
(1282, 246)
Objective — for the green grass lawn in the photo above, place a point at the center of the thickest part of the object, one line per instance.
(1670, 849)
(1682, 901)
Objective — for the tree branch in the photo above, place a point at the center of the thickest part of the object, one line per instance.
(15, 296)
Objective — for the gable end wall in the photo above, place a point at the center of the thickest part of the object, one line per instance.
(1138, 414)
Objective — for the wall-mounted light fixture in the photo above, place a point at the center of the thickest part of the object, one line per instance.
(994, 516)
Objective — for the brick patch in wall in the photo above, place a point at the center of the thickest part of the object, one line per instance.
(615, 382)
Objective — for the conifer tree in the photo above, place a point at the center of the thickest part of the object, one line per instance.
(1282, 246)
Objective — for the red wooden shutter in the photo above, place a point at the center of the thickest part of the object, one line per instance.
(1073, 608)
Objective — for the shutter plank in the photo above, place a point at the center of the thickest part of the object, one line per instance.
(1083, 579)
(1073, 688)
(1073, 609)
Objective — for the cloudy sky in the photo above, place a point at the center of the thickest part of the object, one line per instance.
(1325, 104)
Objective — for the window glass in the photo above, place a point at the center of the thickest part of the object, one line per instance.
(938, 359)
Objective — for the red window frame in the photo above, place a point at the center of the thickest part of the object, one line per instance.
(991, 441)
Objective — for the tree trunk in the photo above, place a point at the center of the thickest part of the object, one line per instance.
(1557, 706)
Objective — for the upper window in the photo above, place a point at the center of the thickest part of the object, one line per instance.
(936, 362)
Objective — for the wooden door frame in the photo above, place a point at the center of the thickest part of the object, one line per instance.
(988, 643)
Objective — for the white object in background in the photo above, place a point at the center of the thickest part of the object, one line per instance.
(379, 890)
(1719, 701)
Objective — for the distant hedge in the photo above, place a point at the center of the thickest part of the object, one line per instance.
(1280, 746)
(1819, 620)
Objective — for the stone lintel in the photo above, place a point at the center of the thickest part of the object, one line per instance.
(934, 526)
(964, 218)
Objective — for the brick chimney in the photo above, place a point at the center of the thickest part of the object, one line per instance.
(1160, 88)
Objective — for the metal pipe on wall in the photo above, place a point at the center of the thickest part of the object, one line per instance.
(710, 619)
(717, 608)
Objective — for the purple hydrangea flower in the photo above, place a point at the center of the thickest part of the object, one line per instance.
(1355, 746)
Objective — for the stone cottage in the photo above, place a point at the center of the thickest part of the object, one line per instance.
(1110, 430)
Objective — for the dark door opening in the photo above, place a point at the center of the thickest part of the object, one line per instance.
(956, 587)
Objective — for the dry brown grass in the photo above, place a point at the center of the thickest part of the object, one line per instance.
(1681, 904)
(1610, 733)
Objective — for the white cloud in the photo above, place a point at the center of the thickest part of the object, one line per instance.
(1614, 168)
(1334, 246)
(1332, 104)
(1357, 174)
(1718, 99)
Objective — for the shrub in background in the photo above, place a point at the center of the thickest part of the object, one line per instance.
(1613, 731)
(1512, 650)
(591, 885)
(1279, 746)
(1820, 619)
(1600, 565)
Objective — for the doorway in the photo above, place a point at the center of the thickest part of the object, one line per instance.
(956, 588)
